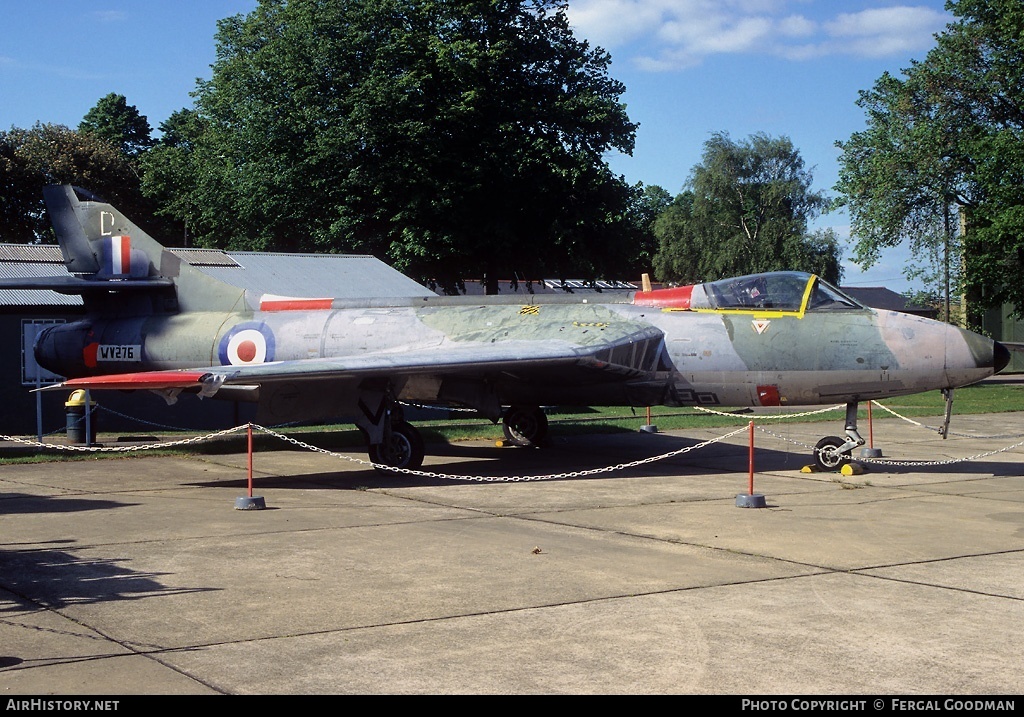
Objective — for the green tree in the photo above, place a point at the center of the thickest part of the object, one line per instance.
(54, 154)
(648, 204)
(457, 139)
(944, 148)
(173, 179)
(20, 203)
(745, 209)
(119, 123)
(681, 245)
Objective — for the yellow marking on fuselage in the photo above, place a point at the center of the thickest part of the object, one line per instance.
(756, 313)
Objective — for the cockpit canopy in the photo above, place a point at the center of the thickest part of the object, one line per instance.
(777, 291)
(793, 292)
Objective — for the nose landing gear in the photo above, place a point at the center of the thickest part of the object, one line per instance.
(832, 452)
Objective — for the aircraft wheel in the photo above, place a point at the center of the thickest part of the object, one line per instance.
(525, 425)
(404, 450)
(826, 454)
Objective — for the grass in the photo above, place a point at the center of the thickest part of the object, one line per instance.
(988, 397)
(981, 398)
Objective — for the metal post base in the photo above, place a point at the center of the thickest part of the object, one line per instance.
(750, 500)
(253, 503)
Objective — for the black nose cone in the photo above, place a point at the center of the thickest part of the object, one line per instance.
(1000, 356)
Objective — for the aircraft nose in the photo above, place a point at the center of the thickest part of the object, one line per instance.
(1000, 356)
(972, 357)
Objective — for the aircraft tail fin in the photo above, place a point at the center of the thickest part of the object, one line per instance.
(97, 241)
(105, 251)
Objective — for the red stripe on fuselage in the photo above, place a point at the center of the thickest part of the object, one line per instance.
(675, 298)
(295, 304)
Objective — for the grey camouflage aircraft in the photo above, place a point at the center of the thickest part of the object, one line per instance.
(777, 339)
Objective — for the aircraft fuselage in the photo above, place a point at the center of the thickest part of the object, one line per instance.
(705, 357)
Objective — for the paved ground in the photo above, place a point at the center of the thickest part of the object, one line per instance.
(139, 575)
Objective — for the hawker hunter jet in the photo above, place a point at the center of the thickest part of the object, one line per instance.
(155, 322)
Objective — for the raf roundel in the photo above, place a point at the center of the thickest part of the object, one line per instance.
(248, 343)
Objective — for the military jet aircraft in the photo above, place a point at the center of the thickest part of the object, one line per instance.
(777, 339)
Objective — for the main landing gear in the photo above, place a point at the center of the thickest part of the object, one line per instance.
(525, 426)
(402, 447)
(832, 452)
(391, 441)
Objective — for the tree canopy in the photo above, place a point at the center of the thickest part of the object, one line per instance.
(947, 139)
(119, 123)
(54, 154)
(455, 139)
(746, 208)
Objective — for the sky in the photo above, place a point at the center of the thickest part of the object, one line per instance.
(691, 68)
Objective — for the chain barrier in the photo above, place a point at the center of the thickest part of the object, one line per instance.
(951, 433)
(80, 421)
(746, 416)
(390, 469)
(124, 449)
(880, 461)
(901, 463)
(497, 479)
(571, 474)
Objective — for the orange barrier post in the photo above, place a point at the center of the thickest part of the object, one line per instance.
(871, 428)
(649, 427)
(249, 502)
(750, 499)
(249, 436)
(870, 451)
(750, 483)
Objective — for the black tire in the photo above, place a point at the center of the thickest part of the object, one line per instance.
(405, 449)
(825, 454)
(525, 426)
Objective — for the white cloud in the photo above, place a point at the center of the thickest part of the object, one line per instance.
(883, 21)
(885, 31)
(611, 23)
(797, 26)
(662, 35)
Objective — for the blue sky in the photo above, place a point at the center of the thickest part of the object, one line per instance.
(691, 68)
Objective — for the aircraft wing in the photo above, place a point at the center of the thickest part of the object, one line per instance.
(332, 381)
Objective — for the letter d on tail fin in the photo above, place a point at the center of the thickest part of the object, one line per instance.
(97, 240)
(108, 253)
(61, 203)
